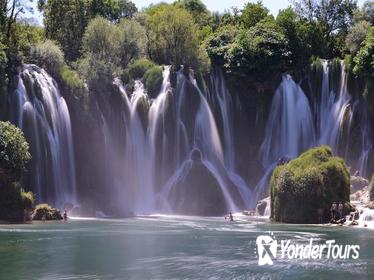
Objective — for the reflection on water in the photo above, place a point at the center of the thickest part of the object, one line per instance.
(170, 247)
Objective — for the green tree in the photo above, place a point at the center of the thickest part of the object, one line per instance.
(357, 35)
(329, 19)
(174, 38)
(261, 50)
(220, 42)
(131, 41)
(65, 22)
(364, 60)
(296, 32)
(113, 10)
(109, 48)
(48, 56)
(198, 10)
(366, 13)
(100, 39)
(253, 13)
(14, 153)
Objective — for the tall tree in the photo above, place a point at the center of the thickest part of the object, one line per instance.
(253, 13)
(174, 37)
(332, 17)
(66, 20)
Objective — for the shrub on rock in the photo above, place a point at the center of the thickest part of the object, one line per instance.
(47, 211)
(303, 190)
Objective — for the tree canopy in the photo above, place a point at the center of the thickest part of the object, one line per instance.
(14, 152)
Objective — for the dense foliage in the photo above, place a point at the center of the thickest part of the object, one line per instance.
(14, 157)
(308, 185)
(14, 152)
(100, 38)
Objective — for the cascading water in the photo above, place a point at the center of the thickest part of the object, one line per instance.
(291, 129)
(220, 97)
(160, 135)
(335, 116)
(41, 112)
(334, 107)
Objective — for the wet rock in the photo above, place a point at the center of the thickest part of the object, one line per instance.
(196, 191)
(261, 206)
(358, 183)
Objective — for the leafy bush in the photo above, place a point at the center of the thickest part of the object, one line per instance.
(364, 60)
(48, 56)
(261, 49)
(27, 199)
(296, 32)
(219, 43)
(253, 13)
(14, 153)
(356, 36)
(47, 211)
(306, 184)
(3, 62)
(153, 80)
(96, 71)
(137, 69)
(70, 77)
(173, 37)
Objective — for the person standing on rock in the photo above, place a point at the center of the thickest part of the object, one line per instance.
(340, 210)
(333, 211)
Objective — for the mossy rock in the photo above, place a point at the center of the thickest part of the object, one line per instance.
(304, 189)
(47, 211)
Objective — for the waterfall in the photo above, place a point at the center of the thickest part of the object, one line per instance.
(159, 136)
(290, 129)
(41, 112)
(337, 111)
(334, 107)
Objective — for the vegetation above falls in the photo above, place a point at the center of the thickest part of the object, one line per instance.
(99, 40)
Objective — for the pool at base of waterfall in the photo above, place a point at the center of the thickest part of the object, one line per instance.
(176, 247)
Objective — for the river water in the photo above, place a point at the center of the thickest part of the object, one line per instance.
(172, 247)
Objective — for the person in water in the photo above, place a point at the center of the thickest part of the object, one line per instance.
(231, 217)
(65, 215)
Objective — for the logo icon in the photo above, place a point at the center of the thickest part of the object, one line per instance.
(266, 249)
